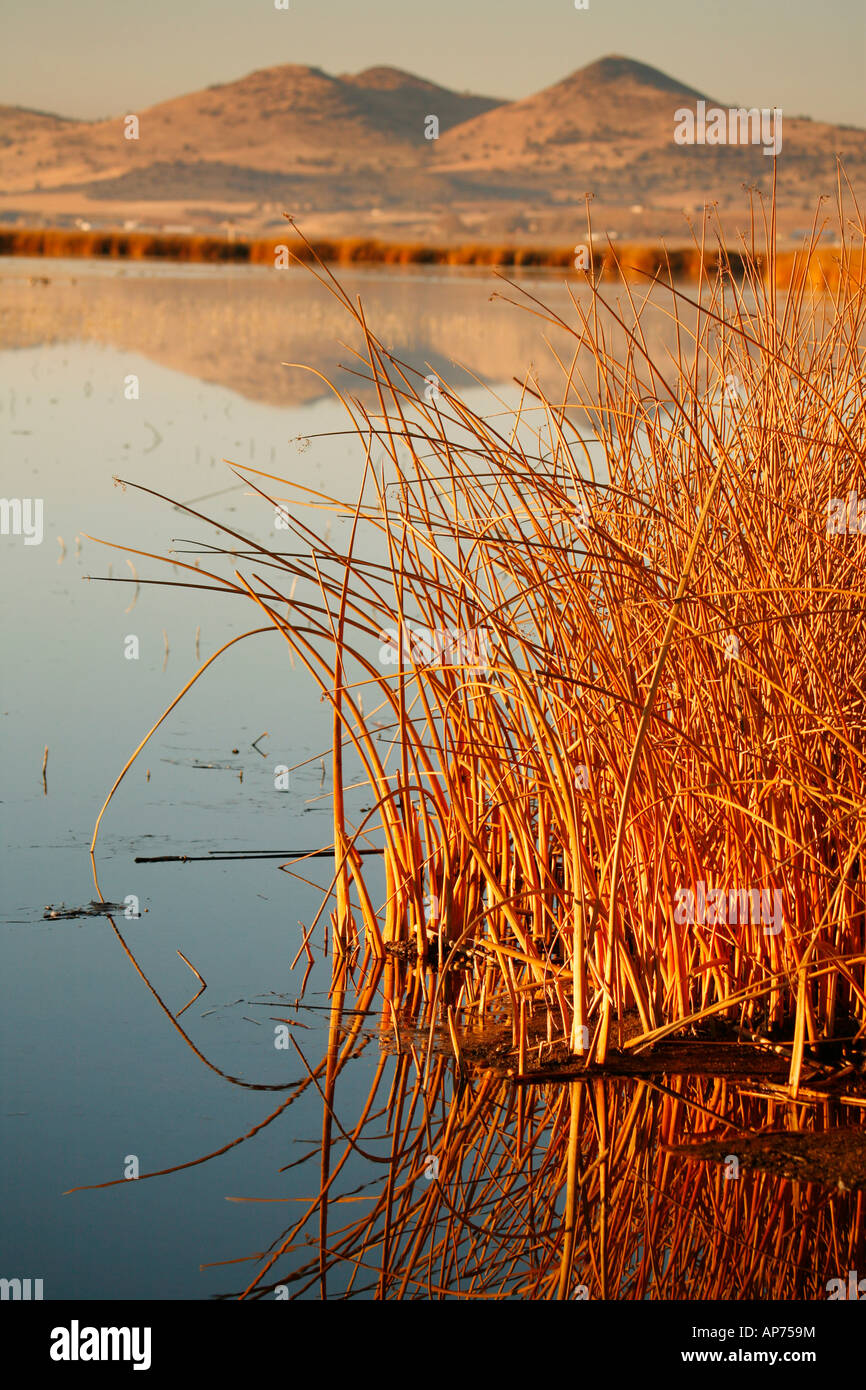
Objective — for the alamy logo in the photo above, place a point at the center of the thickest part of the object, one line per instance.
(76, 1343)
(581, 516)
(22, 516)
(850, 518)
(711, 907)
(467, 647)
(431, 915)
(836, 1288)
(431, 389)
(20, 1289)
(736, 126)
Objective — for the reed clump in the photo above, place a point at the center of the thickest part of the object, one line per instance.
(628, 754)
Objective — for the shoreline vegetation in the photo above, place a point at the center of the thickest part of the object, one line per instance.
(676, 695)
(567, 1078)
(820, 266)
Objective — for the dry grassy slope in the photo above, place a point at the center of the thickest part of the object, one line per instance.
(285, 119)
(609, 106)
(20, 123)
(614, 121)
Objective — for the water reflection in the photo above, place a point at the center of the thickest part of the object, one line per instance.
(472, 1164)
(242, 327)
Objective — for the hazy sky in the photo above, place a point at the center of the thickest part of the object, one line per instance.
(91, 58)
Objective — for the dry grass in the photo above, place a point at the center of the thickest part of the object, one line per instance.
(693, 647)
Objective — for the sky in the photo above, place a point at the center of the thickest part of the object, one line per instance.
(99, 58)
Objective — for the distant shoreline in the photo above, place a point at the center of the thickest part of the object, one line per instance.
(630, 260)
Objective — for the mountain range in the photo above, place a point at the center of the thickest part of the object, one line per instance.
(350, 154)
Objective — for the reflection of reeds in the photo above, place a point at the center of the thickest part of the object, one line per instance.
(477, 1190)
(626, 260)
(610, 603)
(574, 1197)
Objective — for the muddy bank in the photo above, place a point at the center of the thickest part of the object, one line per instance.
(836, 1157)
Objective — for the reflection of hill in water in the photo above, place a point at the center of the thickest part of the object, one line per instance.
(236, 327)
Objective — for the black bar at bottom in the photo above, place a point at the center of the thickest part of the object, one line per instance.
(646, 1339)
